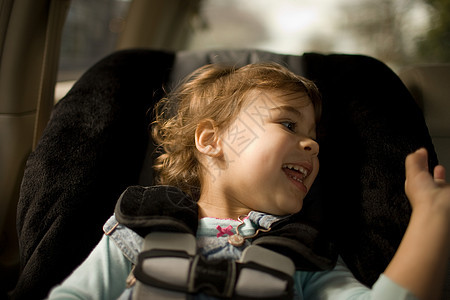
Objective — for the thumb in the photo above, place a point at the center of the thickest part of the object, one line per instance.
(416, 162)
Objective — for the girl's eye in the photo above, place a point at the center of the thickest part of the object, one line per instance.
(289, 125)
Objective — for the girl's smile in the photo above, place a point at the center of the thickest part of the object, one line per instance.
(297, 173)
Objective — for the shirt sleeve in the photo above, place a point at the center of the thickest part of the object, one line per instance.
(101, 276)
(340, 284)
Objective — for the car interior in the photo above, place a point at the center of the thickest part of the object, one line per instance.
(73, 139)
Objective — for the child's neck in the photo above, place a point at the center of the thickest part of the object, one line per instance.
(220, 209)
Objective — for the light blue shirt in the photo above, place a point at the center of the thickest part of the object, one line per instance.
(103, 274)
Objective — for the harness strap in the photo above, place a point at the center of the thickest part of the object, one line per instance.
(169, 266)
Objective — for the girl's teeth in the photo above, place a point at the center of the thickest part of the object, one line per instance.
(298, 179)
(297, 168)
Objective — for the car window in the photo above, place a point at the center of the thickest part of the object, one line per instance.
(396, 32)
(399, 33)
(90, 33)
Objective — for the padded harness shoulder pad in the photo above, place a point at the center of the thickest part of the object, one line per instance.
(157, 208)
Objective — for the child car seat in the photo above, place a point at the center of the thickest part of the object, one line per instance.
(96, 144)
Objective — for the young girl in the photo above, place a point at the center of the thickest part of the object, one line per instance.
(242, 143)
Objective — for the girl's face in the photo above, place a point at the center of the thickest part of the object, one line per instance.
(270, 154)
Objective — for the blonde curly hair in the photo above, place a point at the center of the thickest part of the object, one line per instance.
(215, 92)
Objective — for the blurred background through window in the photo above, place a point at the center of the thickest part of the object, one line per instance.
(397, 32)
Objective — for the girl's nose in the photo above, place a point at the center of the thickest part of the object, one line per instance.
(310, 146)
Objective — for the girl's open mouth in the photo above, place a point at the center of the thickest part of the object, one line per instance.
(297, 174)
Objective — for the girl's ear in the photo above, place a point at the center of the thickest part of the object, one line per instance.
(207, 139)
